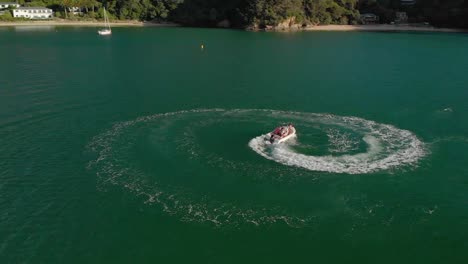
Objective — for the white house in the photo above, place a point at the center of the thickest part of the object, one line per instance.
(401, 17)
(369, 18)
(33, 12)
(75, 10)
(5, 5)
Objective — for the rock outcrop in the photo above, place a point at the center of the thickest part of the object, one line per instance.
(289, 24)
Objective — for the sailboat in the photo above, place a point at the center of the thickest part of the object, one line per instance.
(106, 30)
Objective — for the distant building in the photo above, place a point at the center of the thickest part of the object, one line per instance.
(401, 17)
(5, 5)
(369, 18)
(33, 12)
(407, 2)
(75, 10)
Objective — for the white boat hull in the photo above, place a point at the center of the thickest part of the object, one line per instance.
(104, 32)
(283, 139)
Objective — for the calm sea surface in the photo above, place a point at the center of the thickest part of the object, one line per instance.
(143, 148)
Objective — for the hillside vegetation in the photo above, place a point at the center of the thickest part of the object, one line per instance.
(264, 13)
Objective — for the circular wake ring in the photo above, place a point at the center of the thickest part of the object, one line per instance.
(387, 148)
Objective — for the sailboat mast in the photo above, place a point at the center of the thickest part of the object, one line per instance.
(105, 18)
(108, 23)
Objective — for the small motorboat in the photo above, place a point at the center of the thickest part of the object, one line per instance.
(281, 134)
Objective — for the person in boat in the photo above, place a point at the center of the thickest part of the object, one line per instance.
(276, 132)
(284, 131)
(279, 132)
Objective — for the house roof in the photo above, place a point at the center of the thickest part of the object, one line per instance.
(33, 8)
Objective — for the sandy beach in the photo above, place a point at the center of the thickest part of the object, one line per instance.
(129, 23)
(134, 23)
(383, 28)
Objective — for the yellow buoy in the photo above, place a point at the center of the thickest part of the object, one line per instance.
(202, 46)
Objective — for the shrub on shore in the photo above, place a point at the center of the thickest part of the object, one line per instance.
(8, 17)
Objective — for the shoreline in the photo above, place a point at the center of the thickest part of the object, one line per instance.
(84, 23)
(384, 28)
(133, 23)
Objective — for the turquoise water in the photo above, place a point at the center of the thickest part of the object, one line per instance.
(143, 148)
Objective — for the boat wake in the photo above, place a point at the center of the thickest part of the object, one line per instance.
(187, 152)
(387, 147)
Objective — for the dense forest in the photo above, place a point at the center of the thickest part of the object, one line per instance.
(264, 13)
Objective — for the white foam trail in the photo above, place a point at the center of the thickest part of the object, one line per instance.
(111, 169)
(388, 147)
